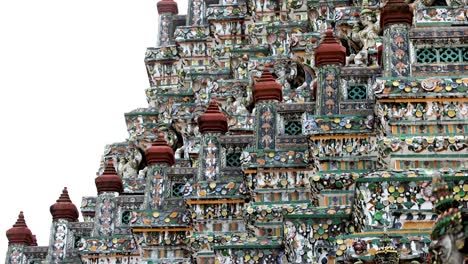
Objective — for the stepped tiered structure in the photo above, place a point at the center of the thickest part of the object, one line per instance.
(284, 132)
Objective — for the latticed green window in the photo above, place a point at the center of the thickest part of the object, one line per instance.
(449, 55)
(293, 128)
(442, 55)
(357, 92)
(233, 160)
(426, 55)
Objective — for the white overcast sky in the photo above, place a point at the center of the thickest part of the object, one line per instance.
(69, 70)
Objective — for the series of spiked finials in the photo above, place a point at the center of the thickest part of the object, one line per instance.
(109, 181)
(62, 209)
(213, 120)
(330, 51)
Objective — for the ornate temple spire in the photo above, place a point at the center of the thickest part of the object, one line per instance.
(64, 208)
(330, 51)
(266, 88)
(167, 6)
(213, 120)
(160, 152)
(395, 12)
(19, 233)
(109, 181)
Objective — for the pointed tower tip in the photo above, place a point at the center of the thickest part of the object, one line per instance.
(109, 181)
(160, 152)
(213, 120)
(64, 208)
(19, 233)
(266, 88)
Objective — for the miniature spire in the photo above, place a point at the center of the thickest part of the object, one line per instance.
(64, 208)
(266, 88)
(167, 6)
(213, 120)
(160, 152)
(330, 51)
(19, 233)
(109, 181)
(395, 12)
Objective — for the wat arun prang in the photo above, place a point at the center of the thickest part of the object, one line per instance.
(284, 132)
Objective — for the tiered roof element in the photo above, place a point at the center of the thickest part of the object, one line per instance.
(160, 152)
(396, 12)
(213, 120)
(109, 181)
(266, 88)
(167, 6)
(20, 233)
(330, 51)
(64, 208)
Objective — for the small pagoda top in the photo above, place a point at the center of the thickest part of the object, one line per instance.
(266, 88)
(213, 120)
(160, 152)
(167, 6)
(64, 208)
(109, 181)
(20, 233)
(330, 51)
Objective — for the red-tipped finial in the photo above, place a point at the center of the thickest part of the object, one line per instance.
(64, 208)
(213, 120)
(109, 181)
(160, 152)
(266, 88)
(19, 233)
(167, 6)
(330, 51)
(395, 12)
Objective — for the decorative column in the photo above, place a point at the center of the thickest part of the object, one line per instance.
(166, 10)
(396, 19)
(197, 11)
(109, 185)
(212, 124)
(19, 236)
(63, 212)
(159, 156)
(161, 227)
(266, 93)
(330, 56)
(207, 208)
